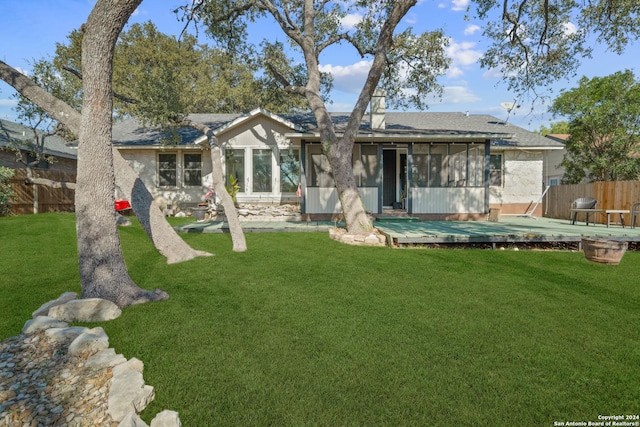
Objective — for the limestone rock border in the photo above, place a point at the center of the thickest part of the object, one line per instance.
(374, 239)
(127, 395)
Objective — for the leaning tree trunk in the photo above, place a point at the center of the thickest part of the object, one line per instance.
(163, 236)
(237, 235)
(103, 272)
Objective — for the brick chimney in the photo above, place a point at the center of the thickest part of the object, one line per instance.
(376, 109)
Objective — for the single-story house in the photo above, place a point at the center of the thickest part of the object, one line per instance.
(433, 165)
(14, 135)
(32, 198)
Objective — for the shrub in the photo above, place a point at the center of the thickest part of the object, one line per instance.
(6, 190)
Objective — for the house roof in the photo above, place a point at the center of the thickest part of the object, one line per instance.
(559, 137)
(23, 135)
(404, 126)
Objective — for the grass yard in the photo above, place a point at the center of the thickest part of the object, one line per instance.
(303, 331)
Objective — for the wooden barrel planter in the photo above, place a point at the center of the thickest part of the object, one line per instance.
(604, 251)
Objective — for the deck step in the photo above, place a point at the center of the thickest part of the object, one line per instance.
(398, 219)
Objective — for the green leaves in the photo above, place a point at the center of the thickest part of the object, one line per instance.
(538, 42)
(604, 123)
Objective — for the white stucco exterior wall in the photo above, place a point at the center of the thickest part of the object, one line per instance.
(522, 178)
(145, 163)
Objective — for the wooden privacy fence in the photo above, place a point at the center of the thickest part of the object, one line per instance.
(610, 195)
(31, 198)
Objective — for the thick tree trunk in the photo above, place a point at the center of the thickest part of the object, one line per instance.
(103, 272)
(340, 154)
(164, 237)
(355, 216)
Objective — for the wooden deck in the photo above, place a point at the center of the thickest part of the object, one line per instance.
(509, 230)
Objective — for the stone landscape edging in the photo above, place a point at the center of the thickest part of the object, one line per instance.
(128, 395)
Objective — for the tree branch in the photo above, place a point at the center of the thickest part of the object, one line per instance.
(115, 94)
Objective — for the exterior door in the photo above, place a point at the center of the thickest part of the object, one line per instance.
(389, 176)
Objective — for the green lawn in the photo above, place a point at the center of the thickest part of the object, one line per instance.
(301, 330)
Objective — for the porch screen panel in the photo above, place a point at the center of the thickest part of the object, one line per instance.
(369, 170)
(420, 169)
(167, 170)
(475, 177)
(289, 171)
(458, 165)
(438, 166)
(262, 171)
(193, 170)
(320, 171)
(235, 167)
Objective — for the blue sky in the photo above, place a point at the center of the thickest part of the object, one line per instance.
(29, 30)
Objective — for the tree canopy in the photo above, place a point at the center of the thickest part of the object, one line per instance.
(561, 127)
(157, 76)
(604, 124)
(535, 43)
(412, 65)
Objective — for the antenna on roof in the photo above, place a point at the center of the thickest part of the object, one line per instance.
(509, 106)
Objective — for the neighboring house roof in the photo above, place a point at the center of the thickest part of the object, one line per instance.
(407, 126)
(54, 145)
(559, 137)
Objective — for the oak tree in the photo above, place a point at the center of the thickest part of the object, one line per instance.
(604, 128)
(399, 62)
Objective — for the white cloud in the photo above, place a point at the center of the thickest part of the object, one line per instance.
(492, 73)
(458, 95)
(5, 102)
(411, 19)
(471, 29)
(570, 28)
(460, 5)
(463, 53)
(454, 72)
(349, 78)
(351, 20)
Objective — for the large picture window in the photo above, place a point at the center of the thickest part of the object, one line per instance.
(167, 170)
(262, 171)
(235, 167)
(193, 169)
(289, 171)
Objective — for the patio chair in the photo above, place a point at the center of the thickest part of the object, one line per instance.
(583, 203)
(635, 211)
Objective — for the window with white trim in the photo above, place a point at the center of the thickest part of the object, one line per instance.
(235, 167)
(262, 171)
(496, 170)
(289, 171)
(167, 170)
(193, 169)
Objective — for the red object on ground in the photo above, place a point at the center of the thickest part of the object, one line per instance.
(122, 205)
